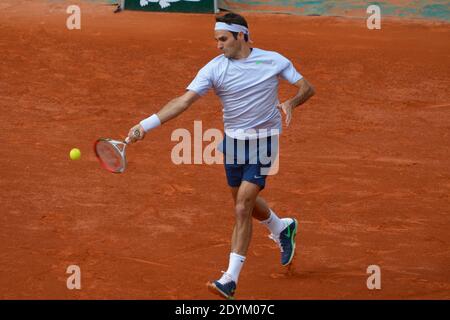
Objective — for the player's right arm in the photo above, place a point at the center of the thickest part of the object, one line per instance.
(171, 110)
(177, 106)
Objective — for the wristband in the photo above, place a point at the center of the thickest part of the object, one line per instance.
(150, 123)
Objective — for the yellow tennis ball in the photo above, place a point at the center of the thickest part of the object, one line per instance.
(75, 154)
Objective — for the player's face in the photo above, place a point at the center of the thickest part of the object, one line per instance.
(226, 43)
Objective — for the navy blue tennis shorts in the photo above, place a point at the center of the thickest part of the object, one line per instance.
(248, 160)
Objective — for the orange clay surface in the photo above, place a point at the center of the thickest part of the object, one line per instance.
(364, 165)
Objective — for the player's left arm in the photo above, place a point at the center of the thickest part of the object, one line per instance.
(305, 91)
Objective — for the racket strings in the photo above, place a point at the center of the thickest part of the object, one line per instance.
(110, 156)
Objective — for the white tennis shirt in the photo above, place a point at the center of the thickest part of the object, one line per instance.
(248, 90)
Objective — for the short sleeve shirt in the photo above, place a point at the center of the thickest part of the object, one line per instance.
(248, 90)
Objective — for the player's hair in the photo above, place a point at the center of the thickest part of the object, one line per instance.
(234, 18)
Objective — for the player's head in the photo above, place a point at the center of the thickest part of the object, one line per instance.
(231, 33)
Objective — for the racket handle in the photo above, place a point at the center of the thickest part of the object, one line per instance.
(127, 140)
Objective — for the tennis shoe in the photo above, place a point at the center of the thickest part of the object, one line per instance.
(286, 241)
(224, 288)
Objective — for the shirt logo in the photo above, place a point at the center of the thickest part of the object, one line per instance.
(264, 62)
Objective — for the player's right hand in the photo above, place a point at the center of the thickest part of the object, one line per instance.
(136, 133)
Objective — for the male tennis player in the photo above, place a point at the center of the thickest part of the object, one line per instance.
(246, 80)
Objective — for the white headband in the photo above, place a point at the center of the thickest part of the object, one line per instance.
(233, 28)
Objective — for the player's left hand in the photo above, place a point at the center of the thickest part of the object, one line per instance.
(287, 110)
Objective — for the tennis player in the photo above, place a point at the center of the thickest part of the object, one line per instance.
(246, 80)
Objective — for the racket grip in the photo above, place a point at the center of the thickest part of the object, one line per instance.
(127, 140)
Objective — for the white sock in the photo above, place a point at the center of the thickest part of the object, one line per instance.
(234, 268)
(275, 224)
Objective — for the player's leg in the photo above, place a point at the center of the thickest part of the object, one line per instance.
(283, 231)
(240, 241)
(245, 202)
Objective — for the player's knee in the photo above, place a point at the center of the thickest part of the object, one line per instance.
(243, 210)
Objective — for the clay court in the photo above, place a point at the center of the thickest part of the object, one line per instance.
(364, 166)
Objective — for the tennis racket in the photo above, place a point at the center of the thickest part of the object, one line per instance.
(111, 153)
